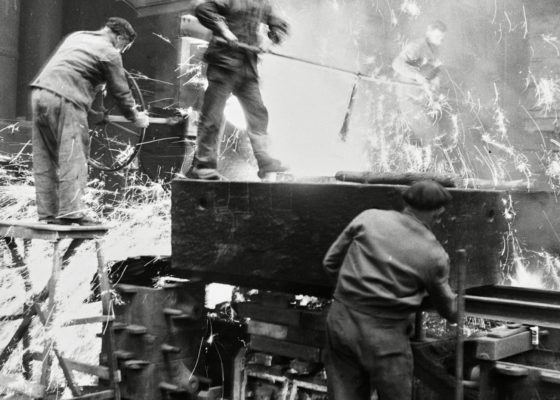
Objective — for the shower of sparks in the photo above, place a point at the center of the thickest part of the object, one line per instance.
(553, 171)
(526, 268)
(143, 77)
(437, 105)
(553, 41)
(525, 24)
(12, 128)
(394, 19)
(165, 39)
(511, 28)
(411, 8)
(547, 91)
(187, 62)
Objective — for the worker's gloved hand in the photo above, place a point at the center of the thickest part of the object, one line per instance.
(264, 46)
(230, 37)
(142, 120)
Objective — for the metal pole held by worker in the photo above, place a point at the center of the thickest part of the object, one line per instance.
(461, 276)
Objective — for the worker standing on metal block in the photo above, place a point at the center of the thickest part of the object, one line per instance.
(385, 263)
(233, 69)
(61, 96)
(419, 62)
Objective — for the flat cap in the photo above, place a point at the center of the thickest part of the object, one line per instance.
(121, 27)
(427, 195)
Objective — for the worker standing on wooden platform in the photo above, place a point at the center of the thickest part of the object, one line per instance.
(61, 96)
(232, 69)
(385, 263)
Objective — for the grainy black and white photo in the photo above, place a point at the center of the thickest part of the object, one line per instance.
(280, 199)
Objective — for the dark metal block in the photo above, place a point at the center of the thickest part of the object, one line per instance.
(283, 348)
(492, 348)
(517, 382)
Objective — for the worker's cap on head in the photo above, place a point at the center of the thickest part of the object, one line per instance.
(121, 27)
(438, 25)
(426, 195)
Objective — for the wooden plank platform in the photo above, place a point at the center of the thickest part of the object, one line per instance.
(38, 230)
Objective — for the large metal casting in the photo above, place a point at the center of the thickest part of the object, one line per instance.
(274, 235)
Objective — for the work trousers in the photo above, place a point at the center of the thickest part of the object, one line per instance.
(424, 128)
(244, 84)
(60, 153)
(365, 354)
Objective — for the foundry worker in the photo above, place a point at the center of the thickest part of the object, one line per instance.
(61, 96)
(419, 64)
(232, 69)
(385, 263)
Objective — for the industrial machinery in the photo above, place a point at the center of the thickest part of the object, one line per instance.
(272, 236)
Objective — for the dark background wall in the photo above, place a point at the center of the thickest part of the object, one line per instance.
(45, 22)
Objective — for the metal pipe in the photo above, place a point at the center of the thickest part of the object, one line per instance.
(256, 49)
(510, 302)
(153, 120)
(459, 359)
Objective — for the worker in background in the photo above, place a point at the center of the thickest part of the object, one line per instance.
(61, 96)
(232, 69)
(385, 263)
(419, 64)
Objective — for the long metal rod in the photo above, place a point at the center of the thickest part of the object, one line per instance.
(255, 49)
(153, 120)
(511, 302)
(459, 359)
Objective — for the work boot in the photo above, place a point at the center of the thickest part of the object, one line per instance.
(83, 221)
(271, 165)
(207, 174)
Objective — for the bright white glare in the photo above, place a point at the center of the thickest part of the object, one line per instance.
(234, 113)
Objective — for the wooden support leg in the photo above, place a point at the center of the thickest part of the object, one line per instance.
(105, 290)
(18, 335)
(26, 340)
(17, 259)
(21, 330)
(26, 357)
(63, 365)
(51, 308)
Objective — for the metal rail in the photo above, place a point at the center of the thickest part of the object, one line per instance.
(528, 306)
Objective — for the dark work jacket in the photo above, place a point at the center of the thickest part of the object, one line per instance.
(79, 68)
(386, 262)
(243, 18)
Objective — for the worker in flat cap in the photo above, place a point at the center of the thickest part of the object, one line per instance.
(233, 70)
(61, 96)
(385, 263)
